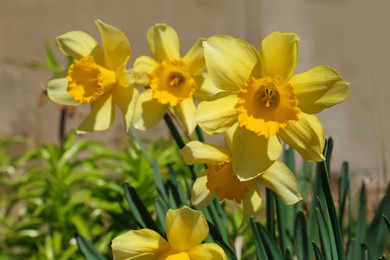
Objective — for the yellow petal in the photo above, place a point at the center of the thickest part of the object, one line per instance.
(194, 59)
(217, 114)
(196, 152)
(100, 117)
(206, 88)
(163, 42)
(57, 91)
(252, 202)
(185, 111)
(319, 88)
(125, 98)
(228, 136)
(116, 45)
(186, 228)
(230, 61)
(148, 112)
(253, 154)
(138, 244)
(306, 136)
(143, 67)
(201, 197)
(210, 251)
(279, 53)
(282, 181)
(78, 44)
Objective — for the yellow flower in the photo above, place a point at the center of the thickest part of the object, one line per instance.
(266, 99)
(186, 229)
(97, 77)
(220, 180)
(173, 80)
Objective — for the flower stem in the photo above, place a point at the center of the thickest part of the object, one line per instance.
(174, 132)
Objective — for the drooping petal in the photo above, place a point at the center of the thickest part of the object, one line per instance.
(210, 251)
(306, 136)
(125, 98)
(148, 112)
(206, 88)
(194, 59)
(201, 197)
(196, 152)
(163, 42)
(230, 61)
(57, 91)
(319, 88)
(116, 45)
(282, 181)
(185, 111)
(186, 228)
(217, 114)
(100, 117)
(138, 244)
(143, 67)
(253, 154)
(279, 53)
(78, 44)
(228, 136)
(251, 203)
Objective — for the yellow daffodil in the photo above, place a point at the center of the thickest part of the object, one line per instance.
(267, 100)
(97, 77)
(220, 180)
(173, 80)
(186, 229)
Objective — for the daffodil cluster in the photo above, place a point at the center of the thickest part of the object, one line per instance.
(251, 96)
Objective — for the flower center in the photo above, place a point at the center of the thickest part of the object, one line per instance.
(87, 80)
(265, 105)
(171, 83)
(222, 181)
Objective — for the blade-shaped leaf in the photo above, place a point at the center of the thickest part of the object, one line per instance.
(301, 239)
(87, 249)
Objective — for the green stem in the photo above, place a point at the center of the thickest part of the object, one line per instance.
(174, 132)
(270, 212)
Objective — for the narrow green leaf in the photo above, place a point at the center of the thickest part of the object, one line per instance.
(270, 212)
(317, 252)
(220, 241)
(161, 210)
(158, 181)
(138, 209)
(387, 222)
(301, 239)
(269, 243)
(344, 186)
(324, 235)
(365, 255)
(87, 249)
(260, 250)
(353, 251)
(287, 254)
(362, 217)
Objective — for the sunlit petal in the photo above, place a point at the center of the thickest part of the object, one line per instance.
(185, 111)
(194, 59)
(163, 42)
(279, 53)
(57, 91)
(116, 45)
(148, 112)
(217, 114)
(196, 152)
(201, 197)
(125, 98)
(143, 67)
(78, 44)
(306, 136)
(253, 154)
(282, 181)
(138, 244)
(210, 251)
(252, 202)
(230, 61)
(319, 88)
(206, 88)
(186, 228)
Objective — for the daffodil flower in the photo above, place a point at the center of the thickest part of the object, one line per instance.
(220, 179)
(97, 77)
(267, 100)
(173, 80)
(186, 229)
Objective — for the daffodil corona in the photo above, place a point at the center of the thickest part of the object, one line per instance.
(262, 94)
(97, 77)
(186, 229)
(174, 81)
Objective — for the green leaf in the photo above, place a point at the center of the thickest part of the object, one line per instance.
(301, 239)
(141, 214)
(87, 249)
(220, 241)
(269, 244)
(260, 250)
(324, 235)
(362, 217)
(344, 187)
(317, 252)
(387, 222)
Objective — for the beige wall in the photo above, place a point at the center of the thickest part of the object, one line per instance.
(352, 36)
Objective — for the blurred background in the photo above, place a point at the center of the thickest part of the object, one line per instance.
(351, 36)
